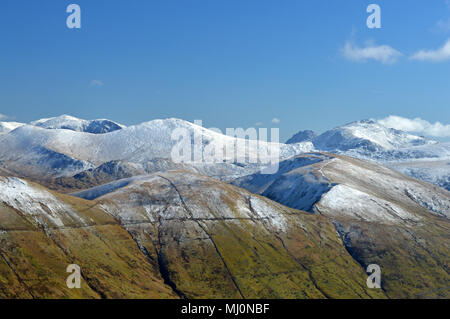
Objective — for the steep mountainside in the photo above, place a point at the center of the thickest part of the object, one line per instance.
(433, 171)
(316, 174)
(34, 151)
(383, 217)
(215, 240)
(193, 237)
(367, 136)
(108, 172)
(116, 170)
(413, 155)
(41, 233)
(142, 225)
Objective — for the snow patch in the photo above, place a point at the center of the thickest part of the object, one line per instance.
(42, 206)
(343, 200)
(274, 217)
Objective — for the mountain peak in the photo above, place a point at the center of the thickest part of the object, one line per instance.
(6, 127)
(367, 135)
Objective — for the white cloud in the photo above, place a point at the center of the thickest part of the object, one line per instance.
(417, 125)
(4, 117)
(96, 83)
(381, 53)
(275, 120)
(439, 55)
(258, 123)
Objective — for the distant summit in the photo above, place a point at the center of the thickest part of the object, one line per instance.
(6, 127)
(68, 122)
(410, 154)
(365, 136)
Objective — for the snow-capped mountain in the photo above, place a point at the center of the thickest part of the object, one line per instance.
(228, 233)
(68, 122)
(367, 136)
(370, 140)
(433, 171)
(56, 230)
(62, 146)
(382, 216)
(435, 151)
(362, 190)
(31, 146)
(169, 235)
(182, 219)
(6, 127)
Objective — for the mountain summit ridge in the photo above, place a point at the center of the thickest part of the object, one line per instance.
(370, 140)
(68, 122)
(367, 135)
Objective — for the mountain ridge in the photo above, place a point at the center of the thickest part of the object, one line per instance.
(138, 143)
(370, 140)
(67, 122)
(307, 231)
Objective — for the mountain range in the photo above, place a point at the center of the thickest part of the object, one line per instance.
(412, 155)
(111, 199)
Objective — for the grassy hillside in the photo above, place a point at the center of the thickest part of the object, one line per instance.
(184, 235)
(34, 257)
(214, 240)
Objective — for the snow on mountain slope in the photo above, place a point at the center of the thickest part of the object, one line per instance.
(42, 232)
(437, 151)
(23, 152)
(343, 200)
(154, 139)
(194, 215)
(394, 193)
(116, 170)
(219, 241)
(382, 216)
(370, 140)
(367, 136)
(42, 206)
(433, 171)
(6, 127)
(294, 185)
(341, 185)
(98, 191)
(213, 196)
(426, 162)
(136, 144)
(75, 124)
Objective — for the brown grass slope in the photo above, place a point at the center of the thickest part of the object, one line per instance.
(383, 217)
(34, 254)
(214, 240)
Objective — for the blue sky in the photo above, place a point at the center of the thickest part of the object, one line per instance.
(230, 63)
